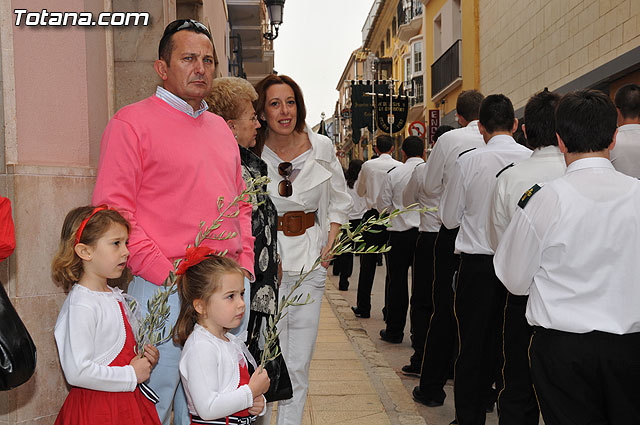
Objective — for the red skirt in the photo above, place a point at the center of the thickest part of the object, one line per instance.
(91, 407)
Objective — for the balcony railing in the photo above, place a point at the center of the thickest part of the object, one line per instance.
(414, 88)
(418, 91)
(236, 68)
(446, 69)
(412, 10)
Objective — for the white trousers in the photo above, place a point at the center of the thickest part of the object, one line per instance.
(298, 333)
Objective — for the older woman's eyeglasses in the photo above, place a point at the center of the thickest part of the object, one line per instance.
(253, 118)
(285, 187)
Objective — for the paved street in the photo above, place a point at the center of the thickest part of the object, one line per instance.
(355, 376)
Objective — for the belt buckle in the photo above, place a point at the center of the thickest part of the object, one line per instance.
(293, 224)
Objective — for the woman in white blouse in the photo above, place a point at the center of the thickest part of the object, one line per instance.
(309, 191)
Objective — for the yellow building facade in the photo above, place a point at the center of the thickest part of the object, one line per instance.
(452, 30)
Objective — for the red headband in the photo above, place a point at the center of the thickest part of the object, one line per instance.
(86, 220)
(195, 255)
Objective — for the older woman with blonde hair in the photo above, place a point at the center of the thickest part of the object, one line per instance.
(232, 98)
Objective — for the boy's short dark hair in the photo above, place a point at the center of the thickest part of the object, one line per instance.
(628, 101)
(586, 121)
(539, 113)
(496, 113)
(468, 104)
(384, 143)
(413, 146)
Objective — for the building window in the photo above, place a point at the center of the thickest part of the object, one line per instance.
(416, 54)
(394, 25)
(382, 48)
(388, 38)
(407, 72)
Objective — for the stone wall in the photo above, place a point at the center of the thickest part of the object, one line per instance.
(526, 45)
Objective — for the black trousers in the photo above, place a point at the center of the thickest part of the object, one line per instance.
(478, 306)
(517, 401)
(400, 258)
(343, 263)
(590, 378)
(421, 304)
(368, 264)
(441, 339)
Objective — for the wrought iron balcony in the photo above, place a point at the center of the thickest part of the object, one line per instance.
(446, 69)
(411, 10)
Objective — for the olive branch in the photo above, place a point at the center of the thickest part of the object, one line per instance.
(348, 241)
(152, 329)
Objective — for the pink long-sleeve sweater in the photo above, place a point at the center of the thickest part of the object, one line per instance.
(165, 171)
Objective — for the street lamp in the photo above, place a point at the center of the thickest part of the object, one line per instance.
(275, 8)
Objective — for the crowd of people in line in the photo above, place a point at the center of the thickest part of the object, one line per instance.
(523, 264)
(523, 272)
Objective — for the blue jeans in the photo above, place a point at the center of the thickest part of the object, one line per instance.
(165, 376)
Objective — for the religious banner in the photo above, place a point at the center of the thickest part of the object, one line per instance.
(391, 117)
(362, 105)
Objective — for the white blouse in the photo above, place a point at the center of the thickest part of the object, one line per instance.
(319, 186)
(210, 373)
(90, 334)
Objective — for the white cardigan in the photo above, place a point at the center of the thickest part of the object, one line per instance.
(210, 373)
(320, 186)
(90, 334)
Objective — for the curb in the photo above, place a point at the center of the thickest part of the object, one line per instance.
(397, 402)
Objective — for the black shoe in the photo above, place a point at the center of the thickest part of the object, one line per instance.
(360, 313)
(393, 339)
(490, 407)
(411, 370)
(343, 286)
(420, 398)
(454, 422)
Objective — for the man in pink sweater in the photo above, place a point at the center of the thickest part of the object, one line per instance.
(164, 162)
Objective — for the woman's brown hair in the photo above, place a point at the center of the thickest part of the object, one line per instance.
(261, 87)
(66, 267)
(199, 282)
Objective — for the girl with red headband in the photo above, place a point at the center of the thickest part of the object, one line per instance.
(214, 363)
(95, 328)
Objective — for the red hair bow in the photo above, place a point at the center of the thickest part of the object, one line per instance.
(195, 255)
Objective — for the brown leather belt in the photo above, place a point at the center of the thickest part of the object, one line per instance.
(295, 223)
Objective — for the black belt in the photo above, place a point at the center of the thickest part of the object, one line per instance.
(231, 420)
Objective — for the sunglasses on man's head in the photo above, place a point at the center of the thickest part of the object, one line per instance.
(285, 187)
(182, 24)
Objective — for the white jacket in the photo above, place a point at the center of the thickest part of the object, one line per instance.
(320, 186)
(210, 373)
(90, 334)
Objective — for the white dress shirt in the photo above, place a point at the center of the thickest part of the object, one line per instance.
(574, 248)
(625, 155)
(545, 164)
(415, 192)
(371, 177)
(210, 373)
(445, 153)
(90, 334)
(390, 196)
(359, 204)
(466, 198)
(319, 186)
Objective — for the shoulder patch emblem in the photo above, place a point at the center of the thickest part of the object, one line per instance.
(527, 195)
(505, 168)
(463, 152)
